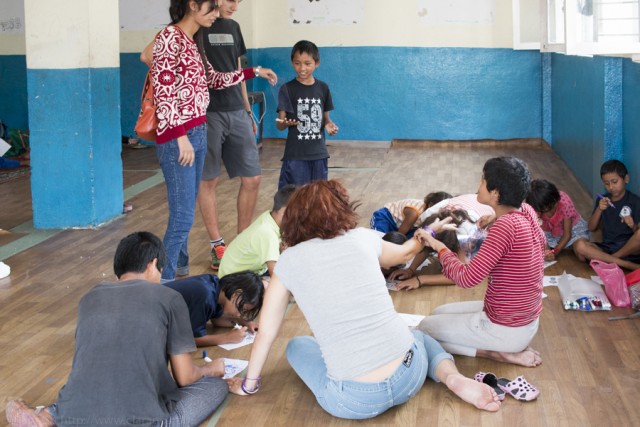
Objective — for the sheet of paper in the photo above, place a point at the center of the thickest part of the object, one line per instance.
(549, 263)
(412, 320)
(248, 339)
(233, 367)
(391, 284)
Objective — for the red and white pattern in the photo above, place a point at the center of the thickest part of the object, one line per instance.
(512, 256)
(179, 83)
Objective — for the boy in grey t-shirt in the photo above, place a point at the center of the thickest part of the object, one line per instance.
(127, 333)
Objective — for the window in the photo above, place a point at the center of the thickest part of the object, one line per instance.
(584, 27)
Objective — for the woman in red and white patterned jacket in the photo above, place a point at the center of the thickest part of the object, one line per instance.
(180, 83)
(502, 326)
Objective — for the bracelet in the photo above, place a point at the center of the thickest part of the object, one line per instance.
(255, 389)
(419, 282)
(256, 71)
(430, 230)
(250, 113)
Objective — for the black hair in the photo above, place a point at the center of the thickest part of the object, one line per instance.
(448, 237)
(510, 176)
(178, 9)
(435, 198)
(250, 290)
(282, 196)
(614, 166)
(543, 195)
(136, 251)
(395, 237)
(305, 46)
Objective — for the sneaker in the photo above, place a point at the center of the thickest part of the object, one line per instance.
(216, 256)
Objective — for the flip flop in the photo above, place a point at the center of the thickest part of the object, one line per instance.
(491, 380)
(519, 388)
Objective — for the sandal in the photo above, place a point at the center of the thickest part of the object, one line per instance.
(492, 381)
(519, 388)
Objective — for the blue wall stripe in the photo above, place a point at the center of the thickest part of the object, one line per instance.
(76, 178)
(13, 91)
(613, 109)
(382, 93)
(547, 127)
(630, 121)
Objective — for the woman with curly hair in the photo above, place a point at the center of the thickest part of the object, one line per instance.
(362, 359)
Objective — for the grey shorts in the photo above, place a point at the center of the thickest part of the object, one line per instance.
(230, 139)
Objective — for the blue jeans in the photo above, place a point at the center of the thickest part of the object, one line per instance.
(182, 191)
(300, 172)
(362, 400)
(195, 403)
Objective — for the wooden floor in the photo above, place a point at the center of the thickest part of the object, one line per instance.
(591, 369)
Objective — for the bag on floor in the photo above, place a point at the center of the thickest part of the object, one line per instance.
(147, 124)
(615, 284)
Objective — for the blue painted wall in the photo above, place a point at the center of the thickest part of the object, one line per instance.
(13, 91)
(578, 115)
(76, 178)
(381, 93)
(132, 75)
(631, 121)
(594, 115)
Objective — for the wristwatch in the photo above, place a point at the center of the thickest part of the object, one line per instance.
(256, 70)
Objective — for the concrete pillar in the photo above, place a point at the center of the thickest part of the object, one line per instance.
(73, 83)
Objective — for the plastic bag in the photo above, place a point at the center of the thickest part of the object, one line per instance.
(615, 284)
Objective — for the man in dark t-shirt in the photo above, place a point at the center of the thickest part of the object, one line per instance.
(230, 131)
(127, 333)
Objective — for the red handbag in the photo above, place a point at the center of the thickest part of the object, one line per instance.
(147, 123)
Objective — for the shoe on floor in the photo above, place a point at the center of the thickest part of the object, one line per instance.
(5, 270)
(216, 256)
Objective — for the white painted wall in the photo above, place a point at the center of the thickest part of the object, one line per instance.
(267, 23)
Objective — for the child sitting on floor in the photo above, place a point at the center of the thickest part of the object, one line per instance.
(257, 248)
(618, 214)
(410, 277)
(232, 301)
(404, 215)
(561, 222)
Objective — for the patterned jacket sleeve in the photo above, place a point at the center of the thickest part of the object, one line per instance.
(218, 80)
(166, 49)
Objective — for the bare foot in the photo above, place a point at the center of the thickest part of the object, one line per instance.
(478, 394)
(528, 357)
(20, 415)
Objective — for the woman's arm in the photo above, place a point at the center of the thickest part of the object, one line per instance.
(424, 280)
(274, 308)
(165, 63)
(393, 254)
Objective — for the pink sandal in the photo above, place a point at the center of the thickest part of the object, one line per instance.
(491, 380)
(519, 388)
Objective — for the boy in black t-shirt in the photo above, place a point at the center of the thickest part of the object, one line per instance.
(618, 214)
(303, 108)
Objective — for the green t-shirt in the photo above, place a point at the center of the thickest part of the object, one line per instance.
(251, 249)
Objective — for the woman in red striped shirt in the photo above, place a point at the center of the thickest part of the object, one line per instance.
(502, 326)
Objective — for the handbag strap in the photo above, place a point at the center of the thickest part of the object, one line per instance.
(147, 84)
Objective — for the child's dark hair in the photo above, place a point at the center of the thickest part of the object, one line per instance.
(510, 176)
(435, 198)
(250, 291)
(614, 166)
(395, 237)
(305, 46)
(543, 195)
(136, 251)
(448, 237)
(282, 196)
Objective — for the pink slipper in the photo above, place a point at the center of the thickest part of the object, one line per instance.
(519, 388)
(492, 381)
